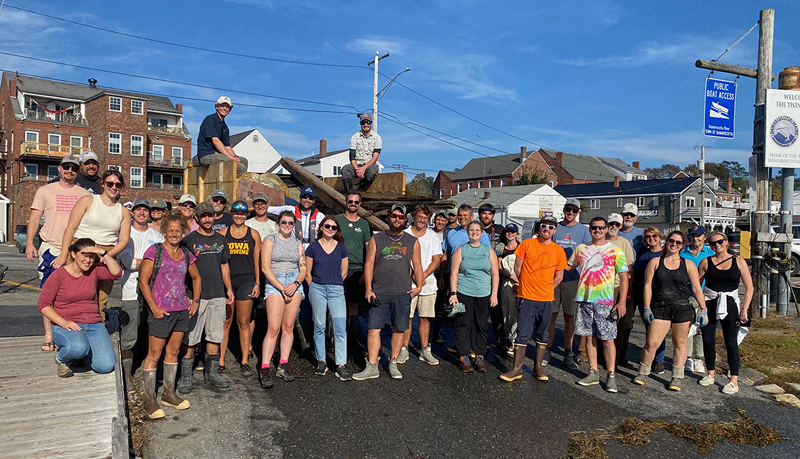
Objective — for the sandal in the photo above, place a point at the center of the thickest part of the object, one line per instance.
(48, 346)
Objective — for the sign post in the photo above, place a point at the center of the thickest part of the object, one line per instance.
(720, 105)
(781, 148)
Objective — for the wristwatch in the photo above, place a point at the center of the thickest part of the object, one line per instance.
(453, 293)
(298, 284)
(197, 300)
(105, 252)
(258, 283)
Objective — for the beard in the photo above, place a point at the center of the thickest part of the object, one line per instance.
(218, 207)
(613, 231)
(627, 225)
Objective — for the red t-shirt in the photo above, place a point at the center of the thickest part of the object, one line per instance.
(75, 299)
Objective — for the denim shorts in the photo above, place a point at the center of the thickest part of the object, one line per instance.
(284, 279)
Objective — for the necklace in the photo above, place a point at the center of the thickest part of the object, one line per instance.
(393, 239)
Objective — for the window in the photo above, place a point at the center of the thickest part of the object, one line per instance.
(689, 202)
(114, 104)
(551, 183)
(52, 172)
(136, 177)
(31, 170)
(137, 107)
(594, 203)
(76, 142)
(114, 142)
(158, 122)
(640, 202)
(459, 188)
(54, 140)
(32, 136)
(655, 201)
(113, 167)
(337, 170)
(441, 194)
(480, 183)
(255, 137)
(491, 183)
(177, 181)
(157, 179)
(708, 203)
(469, 185)
(158, 153)
(137, 143)
(502, 182)
(619, 202)
(177, 157)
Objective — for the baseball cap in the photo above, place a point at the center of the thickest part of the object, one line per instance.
(698, 230)
(615, 217)
(224, 100)
(260, 197)
(441, 213)
(89, 155)
(204, 208)
(71, 159)
(630, 208)
(187, 198)
(128, 205)
(512, 228)
(158, 204)
(365, 116)
(573, 202)
(308, 191)
(399, 207)
(140, 202)
(549, 219)
(219, 194)
(239, 205)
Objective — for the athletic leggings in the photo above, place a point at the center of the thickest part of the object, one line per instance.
(729, 331)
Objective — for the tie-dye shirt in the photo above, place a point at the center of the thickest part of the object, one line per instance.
(599, 266)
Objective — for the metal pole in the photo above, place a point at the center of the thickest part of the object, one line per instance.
(703, 186)
(760, 219)
(787, 205)
(375, 95)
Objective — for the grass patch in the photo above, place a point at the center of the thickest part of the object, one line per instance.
(704, 435)
(773, 348)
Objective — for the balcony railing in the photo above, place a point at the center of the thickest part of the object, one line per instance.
(171, 162)
(44, 149)
(65, 118)
(164, 186)
(165, 129)
(37, 177)
(715, 212)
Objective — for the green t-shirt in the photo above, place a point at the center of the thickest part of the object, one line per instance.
(356, 235)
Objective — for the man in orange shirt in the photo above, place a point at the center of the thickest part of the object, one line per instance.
(539, 267)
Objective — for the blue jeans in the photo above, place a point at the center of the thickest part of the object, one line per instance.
(329, 298)
(90, 341)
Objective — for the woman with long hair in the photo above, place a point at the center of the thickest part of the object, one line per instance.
(652, 238)
(327, 267)
(283, 262)
(244, 245)
(162, 275)
(666, 305)
(722, 273)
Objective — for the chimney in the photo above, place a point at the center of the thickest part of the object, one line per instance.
(179, 108)
(616, 181)
(12, 88)
(486, 193)
(323, 147)
(523, 153)
(92, 83)
(729, 187)
(559, 167)
(635, 164)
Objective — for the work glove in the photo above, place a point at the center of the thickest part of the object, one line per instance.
(702, 317)
(648, 316)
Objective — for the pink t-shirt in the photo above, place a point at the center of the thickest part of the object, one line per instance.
(56, 202)
(74, 298)
(169, 288)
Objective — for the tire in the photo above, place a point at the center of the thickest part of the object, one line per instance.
(794, 264)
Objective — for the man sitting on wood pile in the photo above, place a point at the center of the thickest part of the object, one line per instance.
(365, 147)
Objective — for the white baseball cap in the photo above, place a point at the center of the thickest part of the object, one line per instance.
(224, 100)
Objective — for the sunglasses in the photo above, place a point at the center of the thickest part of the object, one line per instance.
(652, 236)
(330, 227)
(397, 217)
(117, 185)
(629, 215)
(353, 202)
(188, 204)
(674, 242)
(71, 167)
(717, 242)
(544, 227)
(307, 197)
(366, 122)
(289, 223)
(156, 209)
(615, 224)
(221, 200)
(571, 211)
(597, 228)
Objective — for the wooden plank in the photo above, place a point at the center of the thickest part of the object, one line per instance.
(390, 182)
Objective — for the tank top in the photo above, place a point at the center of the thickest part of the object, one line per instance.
(671, 285)
(285, 254)
(723, 280)
(475, 271)
(101, 223)
(392, 272)
(242, 259)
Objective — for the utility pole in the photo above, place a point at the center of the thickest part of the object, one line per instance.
(702, 185)
(377, 59)
(759, 225)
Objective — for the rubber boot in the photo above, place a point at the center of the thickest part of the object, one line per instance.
(644, 372)
(169, 397)
(185, 383)
(126, 355)
(348, 185)
(151, 407)
(538, 371)
(212, 375)
(677, 378)
(516, 371)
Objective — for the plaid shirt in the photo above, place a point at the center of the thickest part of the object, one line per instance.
(365, 146)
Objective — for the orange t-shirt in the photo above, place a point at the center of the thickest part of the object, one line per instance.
(539, 264)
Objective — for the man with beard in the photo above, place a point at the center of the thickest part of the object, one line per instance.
(486, 214)
(87, 178)
(389, 255)
(630, 213)
(365, 147)
(261, 222)
(219, 202)
(625, 323)
(440, 228)
(308, 217)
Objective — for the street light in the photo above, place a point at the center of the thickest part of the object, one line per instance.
(375, 91)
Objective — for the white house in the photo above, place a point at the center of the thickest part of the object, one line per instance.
(4, 204)
(515, 204)
(328, 164)
(261, 156)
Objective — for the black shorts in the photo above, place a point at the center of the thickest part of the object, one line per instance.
(176, 321)
(353, 291)
(677, 312)
(242, 286)
(396, 306)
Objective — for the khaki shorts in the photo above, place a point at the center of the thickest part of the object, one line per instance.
(210, 317)
(565, 298)
(426, 305)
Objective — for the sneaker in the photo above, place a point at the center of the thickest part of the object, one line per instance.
(591, 379)
(393, 371)
(284, 372)
(707, 380)
(427, 356)
(569, 361)
(403, 357)
(547, 356)
(322, 368)
(699, 366)
(369, 372)
(343, 374)
(689, 364)
(658, 368)
(246, 370)
(730, 389)
(266, 379)
(62, 369)
(611, 383)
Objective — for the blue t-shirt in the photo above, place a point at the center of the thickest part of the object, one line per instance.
(705, 252)
(634, 236)
(327, 267)
(212, 126)
(457, 237)
(569, 238)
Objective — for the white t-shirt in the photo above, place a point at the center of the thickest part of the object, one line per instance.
(264, 228)
(139, 242)
(430, 244)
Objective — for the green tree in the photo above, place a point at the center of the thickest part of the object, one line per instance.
(531, 176)
(665, 171)
(420, 185)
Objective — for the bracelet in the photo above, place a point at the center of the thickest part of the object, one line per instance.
(453, 293)
(105, 252)
(297, 283)
(258, 283)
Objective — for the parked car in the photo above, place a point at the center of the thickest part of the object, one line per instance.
(795, 255)
(21, 237)
(734, 239)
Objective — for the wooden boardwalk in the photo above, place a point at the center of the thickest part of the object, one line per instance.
(42, 415)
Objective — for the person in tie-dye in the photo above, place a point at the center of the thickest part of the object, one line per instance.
(599, 264)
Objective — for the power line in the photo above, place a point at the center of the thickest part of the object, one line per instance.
(181, 45)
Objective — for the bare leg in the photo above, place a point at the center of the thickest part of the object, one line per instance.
(424, 331)
(275, 307)
(569, 331)
(610, 353)
(287, 338)
(243, 310)
(48, 330)
(591, 349)
(154, 348)
(173, 347)
(374, 345)
(407, 333)
(655, 335)
(552, 330)
(226, 335)
(680, 335)
(397, 343)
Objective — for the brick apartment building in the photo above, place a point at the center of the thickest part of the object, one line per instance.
(43, 120)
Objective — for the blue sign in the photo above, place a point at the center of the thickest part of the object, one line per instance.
(719, 108)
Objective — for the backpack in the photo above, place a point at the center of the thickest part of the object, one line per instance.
(156, 266)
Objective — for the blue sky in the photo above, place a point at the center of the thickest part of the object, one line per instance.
(606, 78)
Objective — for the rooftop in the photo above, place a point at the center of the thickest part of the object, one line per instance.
(596, 168)
(486, 167)
(631, 188)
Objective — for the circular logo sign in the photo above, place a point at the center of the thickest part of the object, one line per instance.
(783, 131)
